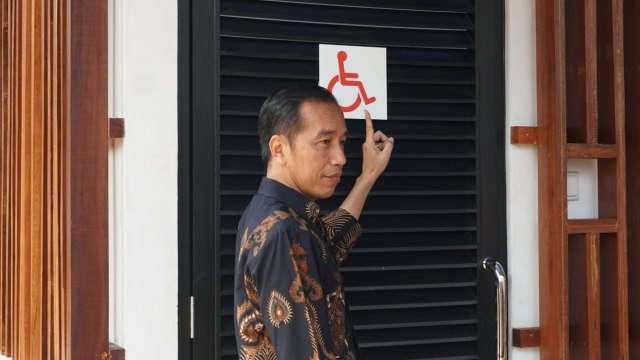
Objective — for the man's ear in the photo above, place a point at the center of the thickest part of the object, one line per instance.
(279, 147)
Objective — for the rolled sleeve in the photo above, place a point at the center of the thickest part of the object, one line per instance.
(342, 231)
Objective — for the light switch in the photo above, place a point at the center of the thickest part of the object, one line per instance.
(573, 186)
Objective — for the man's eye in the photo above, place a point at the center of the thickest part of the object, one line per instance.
(326, 141)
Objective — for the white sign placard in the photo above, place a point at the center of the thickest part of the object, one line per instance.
(357, 77)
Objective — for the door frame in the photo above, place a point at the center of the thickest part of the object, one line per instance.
(197, 263)
(491, 171)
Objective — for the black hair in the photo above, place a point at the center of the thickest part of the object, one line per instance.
(280, 113)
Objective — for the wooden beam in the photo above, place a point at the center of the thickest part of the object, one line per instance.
(552, 245)
(524, 135)
(584, 296)
(614, 295)
(622, 280)
(89, 136)
(592, 151)
(591, 70)
(575, 97)
(592, 280)
(598, 226)
(526, 337)
(612, 194)
(116, 352)
(6, 156)
(632, 141)
(116, 128)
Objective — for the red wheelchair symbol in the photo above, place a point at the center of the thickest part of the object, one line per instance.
(347, 79)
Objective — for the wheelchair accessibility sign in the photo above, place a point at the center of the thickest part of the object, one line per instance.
(357, 77)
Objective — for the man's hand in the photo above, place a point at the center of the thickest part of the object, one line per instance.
(376, 151)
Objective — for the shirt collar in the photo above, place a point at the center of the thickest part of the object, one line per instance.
(300, 204)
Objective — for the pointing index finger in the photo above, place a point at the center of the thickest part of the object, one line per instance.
(369, 126)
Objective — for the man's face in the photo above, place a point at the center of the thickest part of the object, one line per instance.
(316, 154)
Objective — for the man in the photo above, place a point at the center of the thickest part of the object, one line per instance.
(289, 301)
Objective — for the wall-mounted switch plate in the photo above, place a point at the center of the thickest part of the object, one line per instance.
(573, 185)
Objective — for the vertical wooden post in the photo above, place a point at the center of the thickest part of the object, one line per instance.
(619, 332)
(632, 132)
(5, 148)
(88, 143)
(591, 70)
(552, 208)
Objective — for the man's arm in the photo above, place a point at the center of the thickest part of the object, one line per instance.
(341, 226)
(342, 231)
(376, 152)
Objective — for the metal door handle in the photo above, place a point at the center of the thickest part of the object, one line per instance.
(501, 297)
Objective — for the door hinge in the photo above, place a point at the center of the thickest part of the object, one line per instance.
(193, 328)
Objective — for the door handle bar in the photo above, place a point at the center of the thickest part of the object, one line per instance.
(494, 266)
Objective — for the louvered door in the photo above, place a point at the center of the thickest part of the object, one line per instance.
(412, 282)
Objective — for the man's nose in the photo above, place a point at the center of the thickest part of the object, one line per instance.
(339, 158)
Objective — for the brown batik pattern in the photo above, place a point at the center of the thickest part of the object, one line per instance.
(256, 344)
(340, 239)
(303, 284)
(337, 314)
(250, 288)
(315, 333)
(303, 225)
(279, 309)
(304, 289)
(313, 210)
(259, 234)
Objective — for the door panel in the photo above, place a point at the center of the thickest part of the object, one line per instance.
(412, 282)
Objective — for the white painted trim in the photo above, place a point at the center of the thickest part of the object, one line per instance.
(116, 193)
(522, 171)
(146, 177)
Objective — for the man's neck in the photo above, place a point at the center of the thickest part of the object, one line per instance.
(282, 176)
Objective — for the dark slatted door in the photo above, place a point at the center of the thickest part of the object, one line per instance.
(412, 281)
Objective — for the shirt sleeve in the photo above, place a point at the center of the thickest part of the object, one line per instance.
(290, 296)
(342, 231)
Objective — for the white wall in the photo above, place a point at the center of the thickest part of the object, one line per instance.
(143, 179)
(522, 173)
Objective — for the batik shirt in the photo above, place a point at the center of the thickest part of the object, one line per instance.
(289, 301)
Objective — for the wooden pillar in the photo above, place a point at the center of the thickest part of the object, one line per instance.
(53, 180)
(632, 127)
(88, 147)
(552, 207)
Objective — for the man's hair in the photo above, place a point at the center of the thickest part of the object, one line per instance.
(280, 113)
